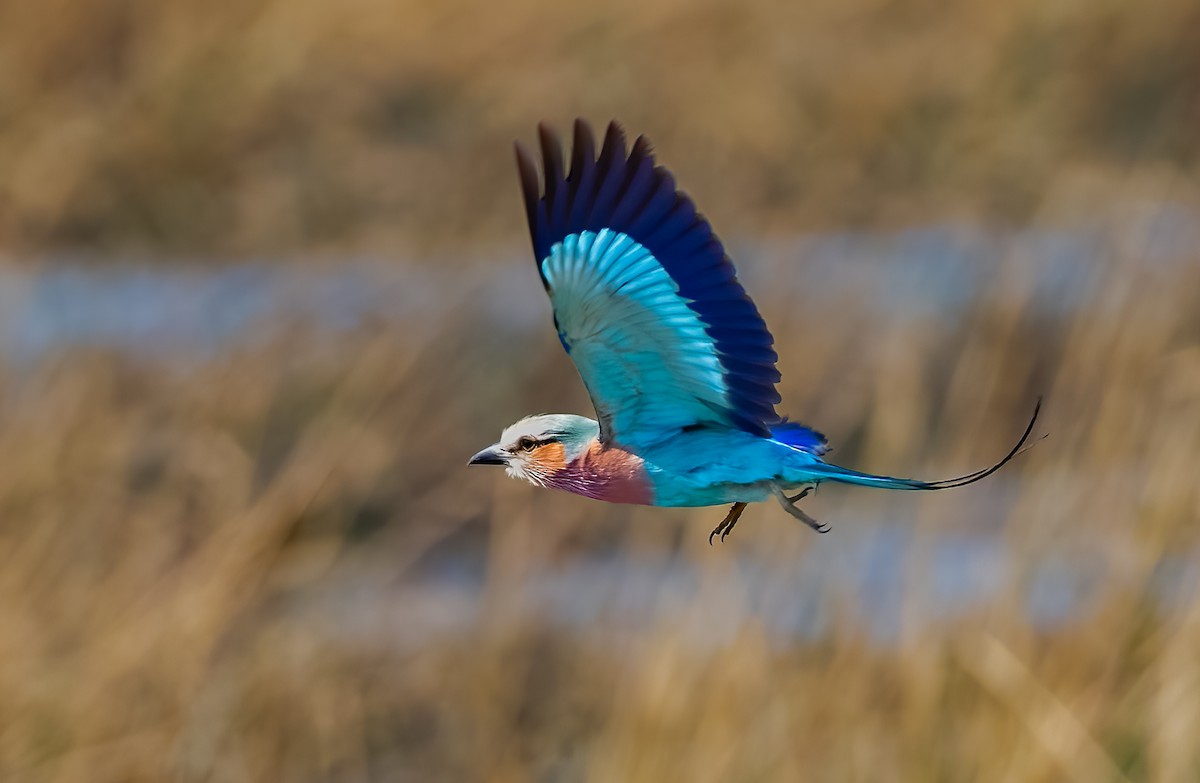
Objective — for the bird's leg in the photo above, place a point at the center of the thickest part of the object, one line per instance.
(788, 506)
(735, 513)
(800, 495)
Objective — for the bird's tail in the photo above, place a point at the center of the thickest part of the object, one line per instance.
(827, 472)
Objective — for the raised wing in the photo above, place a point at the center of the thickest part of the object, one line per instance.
(645, 300)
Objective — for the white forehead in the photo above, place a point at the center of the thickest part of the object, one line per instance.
(550, 425)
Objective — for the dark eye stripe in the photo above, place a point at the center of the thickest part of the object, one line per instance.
(529, 443)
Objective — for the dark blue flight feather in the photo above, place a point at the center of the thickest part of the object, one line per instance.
(633, 196)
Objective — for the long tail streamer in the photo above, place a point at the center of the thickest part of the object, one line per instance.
(848, 476)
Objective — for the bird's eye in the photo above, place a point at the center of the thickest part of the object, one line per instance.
(526, 443)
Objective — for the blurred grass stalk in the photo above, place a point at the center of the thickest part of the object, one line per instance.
(176, 544)
(316, 128)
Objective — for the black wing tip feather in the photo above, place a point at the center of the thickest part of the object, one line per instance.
(527, 169)
(552, 156)
(546, 187)
(616, 132)
(642, 150)
(583, 148)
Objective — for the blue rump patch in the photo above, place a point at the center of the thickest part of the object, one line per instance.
(798, 436)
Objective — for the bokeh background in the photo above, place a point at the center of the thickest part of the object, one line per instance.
(265, 286)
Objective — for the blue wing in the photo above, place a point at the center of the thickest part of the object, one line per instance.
(645, 300)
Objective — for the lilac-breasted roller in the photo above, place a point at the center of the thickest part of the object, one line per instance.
(675, 357)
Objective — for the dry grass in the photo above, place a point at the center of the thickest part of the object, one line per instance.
(312, 127)
(274, 566)
(230, 572)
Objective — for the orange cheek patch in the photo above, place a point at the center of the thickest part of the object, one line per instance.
(551, 456)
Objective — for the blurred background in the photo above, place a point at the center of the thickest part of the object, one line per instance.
(265, 285)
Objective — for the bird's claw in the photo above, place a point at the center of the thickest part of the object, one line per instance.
(789, 506)
(820, 527)
(735, 513)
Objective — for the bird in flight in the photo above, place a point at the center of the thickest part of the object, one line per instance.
(675, 357)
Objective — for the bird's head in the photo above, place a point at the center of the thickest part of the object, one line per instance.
(537, 447)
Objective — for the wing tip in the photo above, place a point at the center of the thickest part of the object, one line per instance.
(642, 150)
(552, 157)
(530, 190)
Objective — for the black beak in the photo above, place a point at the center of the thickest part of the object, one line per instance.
(489, 456)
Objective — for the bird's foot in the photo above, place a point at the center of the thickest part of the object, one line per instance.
(735, 513)
(788, 504)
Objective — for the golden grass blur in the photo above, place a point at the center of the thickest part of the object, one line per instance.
(312, 127)
(222, 570)
(173, 540)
